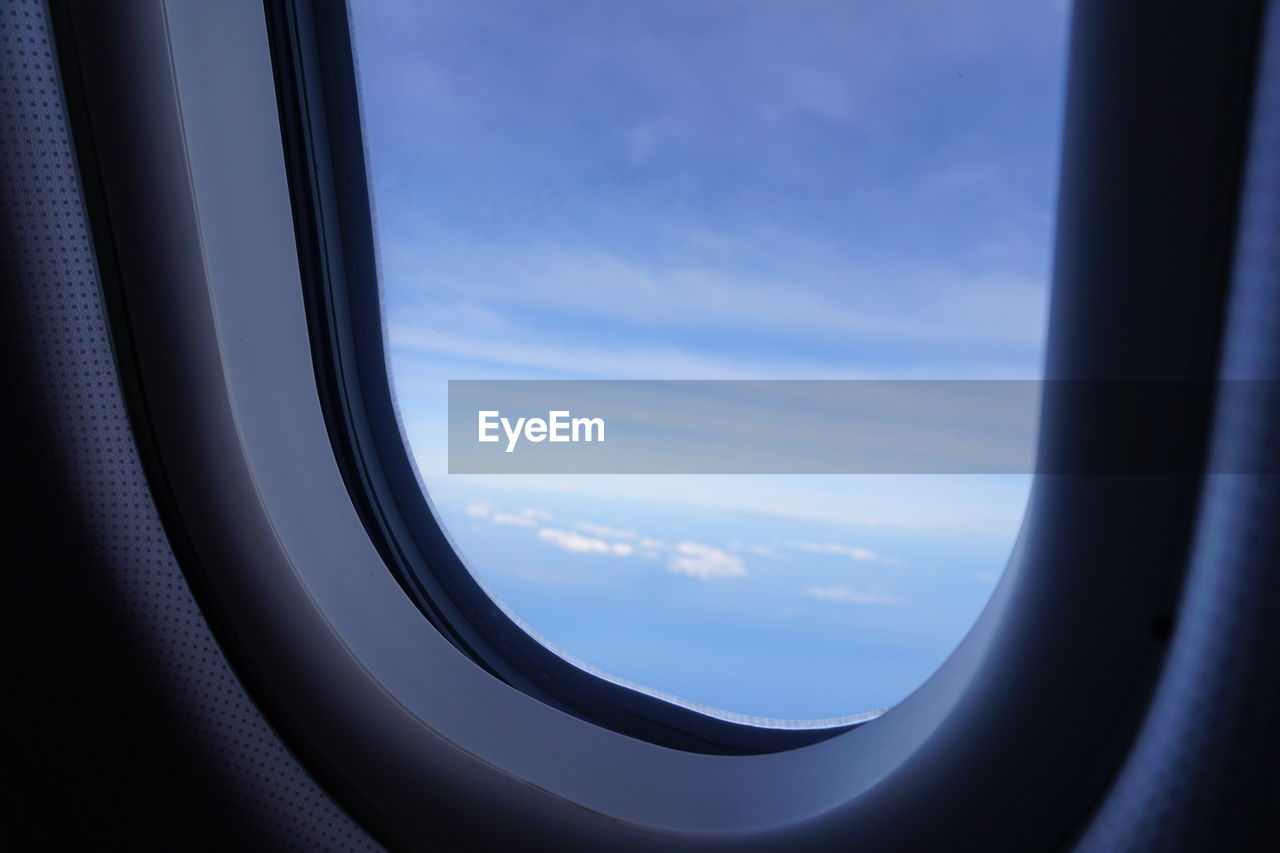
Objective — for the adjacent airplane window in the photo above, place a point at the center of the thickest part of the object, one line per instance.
(764, 189)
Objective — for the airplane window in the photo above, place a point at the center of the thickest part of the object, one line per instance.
(718, 190)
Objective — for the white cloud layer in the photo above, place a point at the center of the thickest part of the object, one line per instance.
(695, 559)
(511, 520)
(704, 562)
(579, 544)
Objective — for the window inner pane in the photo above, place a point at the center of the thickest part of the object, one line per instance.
(707, 189)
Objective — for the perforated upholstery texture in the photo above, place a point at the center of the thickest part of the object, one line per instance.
(132, 729)
(1205, 773)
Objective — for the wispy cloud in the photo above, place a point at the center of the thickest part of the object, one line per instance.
(620, 361)
(850, 551)
(604, 530)
(513, 310)
(705, 562)
(511, 520)
(579, 544)
(849, 595)
(695, 559)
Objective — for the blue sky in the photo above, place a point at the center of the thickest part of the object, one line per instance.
(719, 190)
